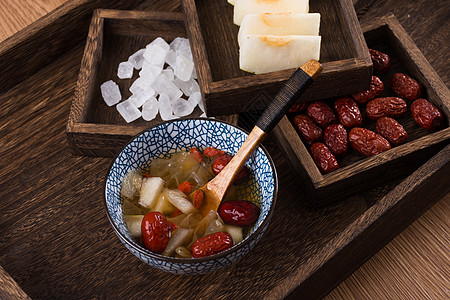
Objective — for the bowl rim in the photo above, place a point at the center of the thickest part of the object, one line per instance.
(191, 260)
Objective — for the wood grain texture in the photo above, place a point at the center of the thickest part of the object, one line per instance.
(9, 289)
(54, 34)
(52, 219)
(228, 89)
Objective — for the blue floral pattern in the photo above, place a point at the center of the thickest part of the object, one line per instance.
(179, 135)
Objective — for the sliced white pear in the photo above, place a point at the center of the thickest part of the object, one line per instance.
(231, 2)
(245, 7)
(133, 223)
(180, 237)
(235, 232)
(162, 204)
(150, 191)
(267, 53)
(279, 24)
(180, 201)
(131, 184)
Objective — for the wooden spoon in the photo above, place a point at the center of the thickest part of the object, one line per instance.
(217, 187)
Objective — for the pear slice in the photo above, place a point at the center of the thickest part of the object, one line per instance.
(246, 7)
(279, 24)
(231, 2)
(267, 53)
(150, 191)
(133, 223)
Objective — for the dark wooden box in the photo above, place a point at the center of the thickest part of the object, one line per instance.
(356, 171)
(93, 128)
(227, 89)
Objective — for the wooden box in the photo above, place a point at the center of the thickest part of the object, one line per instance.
(93, 128)
(356, 171)
(227, 89)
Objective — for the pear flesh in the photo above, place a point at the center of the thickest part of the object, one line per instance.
(279, 24)
(245, 7)
(267, 53)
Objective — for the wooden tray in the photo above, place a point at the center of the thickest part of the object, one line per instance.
(227, 89)
(356, 171)
(57, 243)
(93, 128)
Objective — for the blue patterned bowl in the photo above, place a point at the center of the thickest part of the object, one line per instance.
(167, 138)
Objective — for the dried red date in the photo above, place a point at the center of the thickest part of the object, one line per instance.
(221, 161)
(307, 129)
(381, 61)
(324, 159)
(196, 154)
(335, 137)
(427, 115)
(375, 90)
(391, 130)
(393, 107)
(348, 112)
(239, 213)
(321, 113)
(211, 244)
(155, 231)
(367, 142)
(297, 108)
(212, 152)
(405, 87)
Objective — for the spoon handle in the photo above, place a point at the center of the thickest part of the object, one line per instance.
(288, 94)
(285, 98)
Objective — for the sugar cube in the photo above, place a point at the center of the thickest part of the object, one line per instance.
(110, 92)
(137, 59)
(182, 107)
(128, 111)
(165, 86)
(165, 107)
(183, 68)
(187, 87)
(150, 109)
(125, 70)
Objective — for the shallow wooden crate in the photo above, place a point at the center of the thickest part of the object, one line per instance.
(94, 128)
(356, 171)
(227, 89)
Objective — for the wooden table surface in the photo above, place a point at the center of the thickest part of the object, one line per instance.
(415, 265)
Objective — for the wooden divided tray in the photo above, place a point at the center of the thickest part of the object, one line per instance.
(57, 242)
(358, 172)
(227, 89)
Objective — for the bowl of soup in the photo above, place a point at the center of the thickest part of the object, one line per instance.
(153, 205)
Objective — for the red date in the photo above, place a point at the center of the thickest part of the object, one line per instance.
(307, 129)
(321, 113)
(212, 152)
(391, 130)
(211, 244)
(405, 87)
(381, 61)
(239, 213)
(221, 161)
(375, 90)
(367, 142)
(348, 112)
(335, 137)
(297, 108)
(155, 231)
(324, 159)
(427, 115)
(393, 107)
